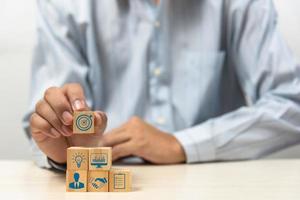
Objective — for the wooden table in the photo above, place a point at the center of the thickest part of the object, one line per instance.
(264, 179)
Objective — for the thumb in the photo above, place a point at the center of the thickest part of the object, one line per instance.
(100, 122)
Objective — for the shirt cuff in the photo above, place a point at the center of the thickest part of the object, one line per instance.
(197, 143)
(57, 166)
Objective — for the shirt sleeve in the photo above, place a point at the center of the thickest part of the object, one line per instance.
(269, 78)
(58, 59)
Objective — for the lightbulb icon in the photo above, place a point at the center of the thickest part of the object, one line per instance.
(78, 158)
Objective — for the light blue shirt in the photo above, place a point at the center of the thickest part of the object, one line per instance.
(214, 73)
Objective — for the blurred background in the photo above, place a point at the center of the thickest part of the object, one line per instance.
(17, 32)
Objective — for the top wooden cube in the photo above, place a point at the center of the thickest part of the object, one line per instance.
(83, 122)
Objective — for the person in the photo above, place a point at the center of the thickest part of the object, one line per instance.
(172, 82)
(76, 184)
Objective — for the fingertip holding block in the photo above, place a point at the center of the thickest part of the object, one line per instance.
(120, 180)
(77, 158)
(76, 181)
(100, 158)
(97, 181)
(83, 122)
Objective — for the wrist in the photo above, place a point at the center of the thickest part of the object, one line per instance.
(179, 151)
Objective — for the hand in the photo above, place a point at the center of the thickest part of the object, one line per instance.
(137, 138)
(51, 123)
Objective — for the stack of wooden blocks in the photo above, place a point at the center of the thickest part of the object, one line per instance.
(89, 169)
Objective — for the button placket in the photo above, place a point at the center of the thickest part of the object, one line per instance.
(158, 84)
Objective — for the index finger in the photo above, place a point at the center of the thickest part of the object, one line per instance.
(75, 94)
(114, 137)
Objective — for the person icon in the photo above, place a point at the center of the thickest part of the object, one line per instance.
(76, 184)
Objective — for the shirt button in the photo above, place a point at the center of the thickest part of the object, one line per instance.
(157, 24)
(161, 120)
(157, 71)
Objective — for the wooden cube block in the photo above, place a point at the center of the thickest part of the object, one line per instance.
(83, 122)
(100, 158)
(97, 181)
(120, 180)
(77, 158)
(76, 181)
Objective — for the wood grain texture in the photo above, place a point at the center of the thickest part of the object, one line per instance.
(100, 158)
(77, 158)
(98, 181)
(120, 180)
(83, 122)
(76, 181)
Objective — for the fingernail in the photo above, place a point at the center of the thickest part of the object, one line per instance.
(55, 132)
(67, 117)
(78, 104)
(67, 130)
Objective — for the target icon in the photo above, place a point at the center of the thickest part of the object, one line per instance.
(84, 122)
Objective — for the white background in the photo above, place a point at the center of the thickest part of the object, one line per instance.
(17, 19)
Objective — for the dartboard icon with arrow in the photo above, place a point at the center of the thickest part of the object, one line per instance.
(83, 122)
